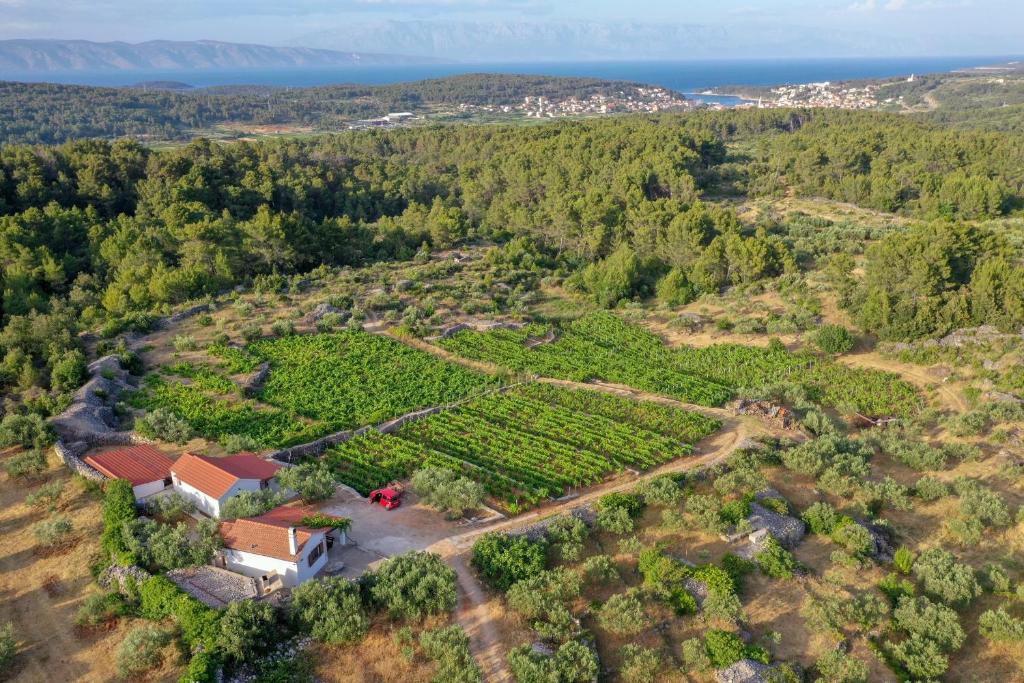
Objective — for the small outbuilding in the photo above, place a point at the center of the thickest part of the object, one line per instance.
(210, 482)
(146, 467)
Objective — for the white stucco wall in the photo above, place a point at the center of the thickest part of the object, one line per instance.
(292, 573)
(208, 504)
(148, 489)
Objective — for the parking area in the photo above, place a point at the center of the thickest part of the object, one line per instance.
(377, 533)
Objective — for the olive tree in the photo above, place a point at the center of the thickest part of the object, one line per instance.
(448, 492)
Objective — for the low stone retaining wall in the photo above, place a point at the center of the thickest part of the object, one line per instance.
(70, 455)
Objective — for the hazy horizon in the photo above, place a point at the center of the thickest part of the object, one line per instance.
(511, 30)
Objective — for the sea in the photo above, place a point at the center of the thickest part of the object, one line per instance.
(692, 77)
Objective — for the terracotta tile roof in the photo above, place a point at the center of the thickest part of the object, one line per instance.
(214, 476)
(268, 534)
(137, 464)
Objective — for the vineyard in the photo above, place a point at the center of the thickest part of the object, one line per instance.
(355, 378)
(601, 346)
(215, 418)
(527, 444)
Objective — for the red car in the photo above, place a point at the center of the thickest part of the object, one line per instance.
(389, 498)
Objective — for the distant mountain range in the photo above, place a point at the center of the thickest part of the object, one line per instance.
(83, 55)
(513, 41)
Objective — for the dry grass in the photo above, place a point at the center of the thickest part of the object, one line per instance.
(41, 592)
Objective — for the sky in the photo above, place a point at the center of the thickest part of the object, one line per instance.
(966, 26)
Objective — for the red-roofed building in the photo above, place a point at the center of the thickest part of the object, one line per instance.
(210, 482)
(276, 548)
(146, 467)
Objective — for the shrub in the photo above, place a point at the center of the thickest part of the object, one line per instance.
(774, 560)
(252, 333)
(981, 503)
(945, 578)
(930, 488)
(248, 629)
(170, 506)
(99, 608)
(1001, 626)
(313, 481)
(903, 560)
(725, 649)
(706, 509)
(695, 655)
(624, 614)
(8, 644)
(118, 509)
(52, 533)
(239, 443)
(447, 491)
(162, 424)
(839, 667)
(69, 371)
(574, 662)
(283, 328)
(184, 342)
(662, 491)
(449, 647)
(920, 617)
(921, 657)
(30, 463)
(177, 546)
(414, 585)
(995, 579)
(27, 431)
(600, 569)
(251, 503)
(854, 538)
(503, 560)
(47, 494)
(330, 610)
(834, 339)
(615, 520)
(568, 533)
(639, 664)
(543, 599)
(821, 518)
(894, 587)
(142, 651)
(674, 289)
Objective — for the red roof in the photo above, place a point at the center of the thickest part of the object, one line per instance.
(137, 464)
(215, 476)
(268, 534)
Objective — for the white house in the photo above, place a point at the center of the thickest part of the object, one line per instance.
(210, 482)
(276, 548)
(146, 467)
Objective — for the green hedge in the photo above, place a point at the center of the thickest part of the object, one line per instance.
(118, 508)
(199, 624)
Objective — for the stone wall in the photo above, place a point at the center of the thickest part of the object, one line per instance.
(70, 454)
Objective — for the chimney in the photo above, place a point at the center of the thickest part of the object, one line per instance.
(293, 541)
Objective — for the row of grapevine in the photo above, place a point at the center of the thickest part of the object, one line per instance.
(355, 378)
(215, 418)
(604, 347)
(524, 445)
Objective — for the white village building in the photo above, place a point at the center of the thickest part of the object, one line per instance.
(210, 482)
(276, 548)
(147, 468)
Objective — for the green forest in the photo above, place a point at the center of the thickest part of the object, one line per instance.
(54, 113)
(101, 235)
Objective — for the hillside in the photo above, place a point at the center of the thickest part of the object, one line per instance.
(82, 55)
(53, 113)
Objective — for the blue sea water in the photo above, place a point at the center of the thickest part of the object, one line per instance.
(690, 76)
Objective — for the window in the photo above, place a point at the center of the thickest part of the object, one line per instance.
(316, 553)
(167, 481)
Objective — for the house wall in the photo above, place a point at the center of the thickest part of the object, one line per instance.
(292, 573)
(143, 491)
(211, 506)
(208, 505)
